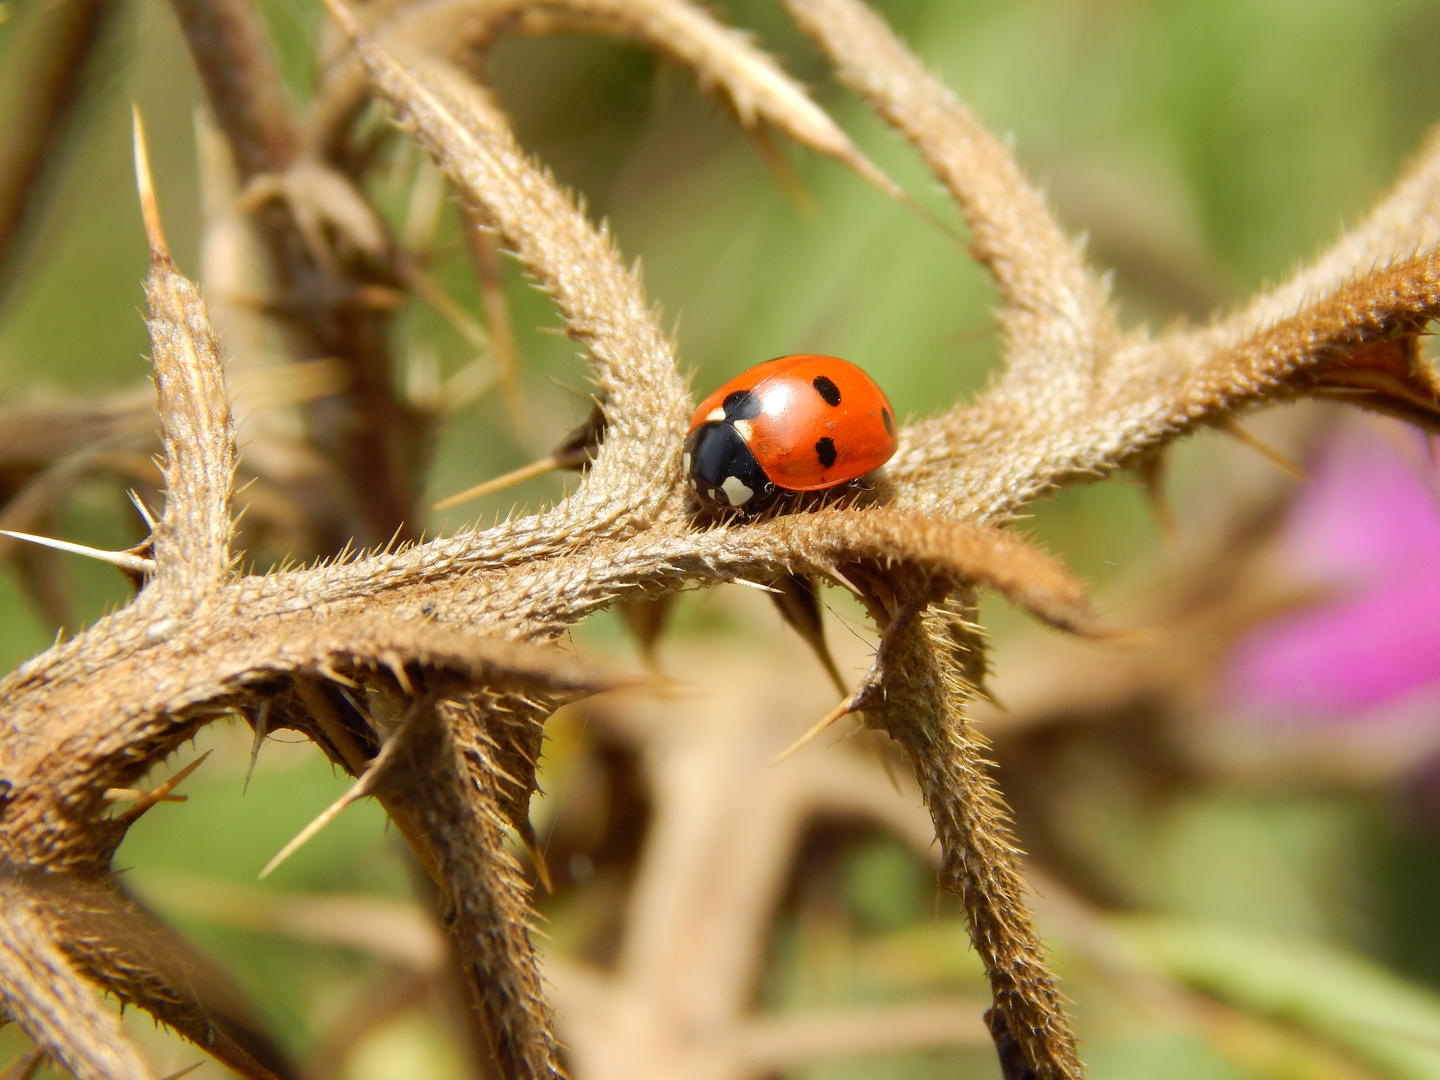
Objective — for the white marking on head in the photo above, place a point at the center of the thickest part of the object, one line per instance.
(743, 427)
(716, 414)
(736, 491)
(685, 463)
(693, 485)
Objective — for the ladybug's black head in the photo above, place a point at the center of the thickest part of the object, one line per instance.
(722, 470)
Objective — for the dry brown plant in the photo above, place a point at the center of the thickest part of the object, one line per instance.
(427, 669)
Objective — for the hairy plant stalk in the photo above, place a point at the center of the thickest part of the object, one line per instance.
(428, 669)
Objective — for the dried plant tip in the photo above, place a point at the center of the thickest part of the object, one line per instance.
(844, 708)
(125, 560)
(357, 791)
(192, 538)
(183, 1072)
(149, 208)
(158, 794)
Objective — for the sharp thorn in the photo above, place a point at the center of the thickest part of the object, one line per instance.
(143, 510)
(537, 857)
(549, 463)
(262, 728)
(846, 706)
(355, 793)
(149, 208)
(159, 793)
(1237, 431)
(125, 794)
(754, 585)
(122, 559)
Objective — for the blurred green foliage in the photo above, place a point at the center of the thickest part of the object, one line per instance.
(1205, 146)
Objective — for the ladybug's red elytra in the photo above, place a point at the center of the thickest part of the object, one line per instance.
(799, 423)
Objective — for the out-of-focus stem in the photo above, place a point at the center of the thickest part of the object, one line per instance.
(377, 441)
(34, 131)
(242, 84)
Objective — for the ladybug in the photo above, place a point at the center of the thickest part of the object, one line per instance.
(797, 423)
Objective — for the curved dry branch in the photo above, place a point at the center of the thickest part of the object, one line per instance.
(1058, 324)
(988, 459)
(452, 633)
(646, 405)
(56, 1006)
(138, 960)
(173, 675)
(1405, 223)
(922, 708)
(755, 86)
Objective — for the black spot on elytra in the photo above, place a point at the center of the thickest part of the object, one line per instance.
(889, 421)
(741, 405)
(825, 448)
(826, 389)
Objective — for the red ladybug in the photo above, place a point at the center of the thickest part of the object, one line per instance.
(799, 423)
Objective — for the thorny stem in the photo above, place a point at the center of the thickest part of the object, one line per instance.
(455, 634)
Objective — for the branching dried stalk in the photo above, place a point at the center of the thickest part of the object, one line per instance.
(430, 668)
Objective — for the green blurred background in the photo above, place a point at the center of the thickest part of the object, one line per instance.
(1204, 146)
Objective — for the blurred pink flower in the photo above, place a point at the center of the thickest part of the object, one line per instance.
(1366, 529)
